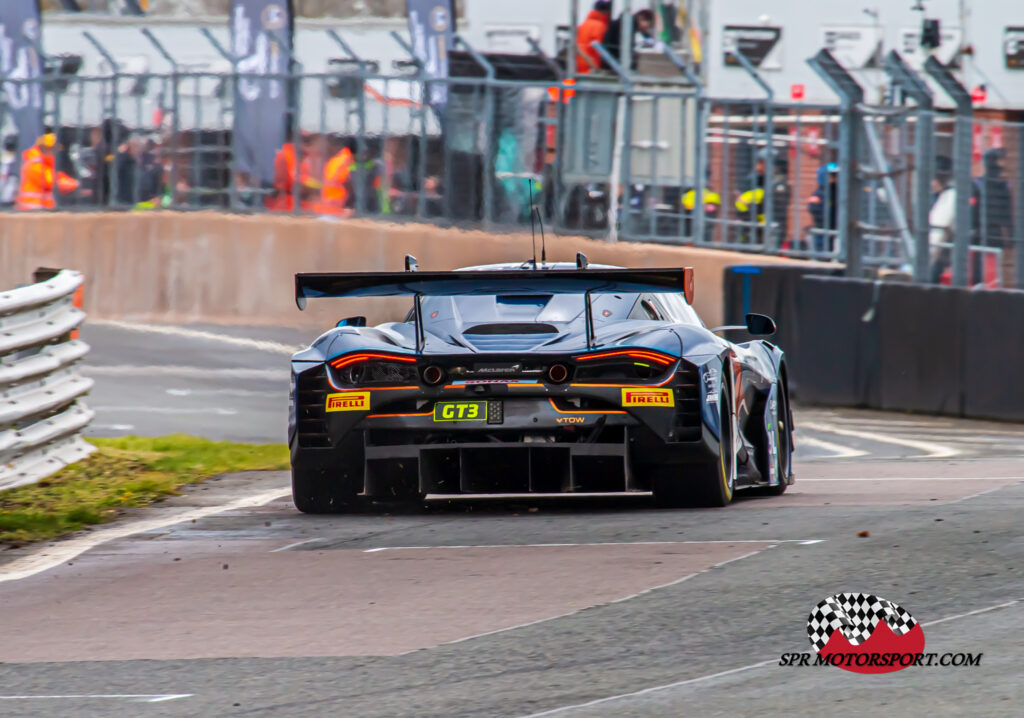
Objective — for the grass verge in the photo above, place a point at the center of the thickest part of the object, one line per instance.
(123, 472)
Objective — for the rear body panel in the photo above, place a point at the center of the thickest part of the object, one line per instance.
(639, 392)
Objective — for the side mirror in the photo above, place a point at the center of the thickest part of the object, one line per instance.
(759, 325)
(361, 322)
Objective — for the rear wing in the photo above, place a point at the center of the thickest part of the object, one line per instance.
(505, 281)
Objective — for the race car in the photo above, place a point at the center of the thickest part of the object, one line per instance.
(534, 378)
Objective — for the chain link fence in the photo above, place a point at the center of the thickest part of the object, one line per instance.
(627, 156)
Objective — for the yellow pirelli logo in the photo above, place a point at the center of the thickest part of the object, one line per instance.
(648, 397)
(349, 401)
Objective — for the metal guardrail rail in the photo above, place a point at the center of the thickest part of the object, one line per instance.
(41, 412)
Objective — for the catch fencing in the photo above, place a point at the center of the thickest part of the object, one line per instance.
(629, 154)
(41, 410)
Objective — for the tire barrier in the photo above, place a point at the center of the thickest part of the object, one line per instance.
(895, 346)
(41, 412)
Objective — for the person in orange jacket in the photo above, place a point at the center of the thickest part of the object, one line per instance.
(591, 30)
(38, 175)
(291, 164)
(337, 173)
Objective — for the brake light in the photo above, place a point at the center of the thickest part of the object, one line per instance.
(643, 355)
(349, 359)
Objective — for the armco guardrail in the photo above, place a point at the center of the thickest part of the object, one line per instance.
(41, 413)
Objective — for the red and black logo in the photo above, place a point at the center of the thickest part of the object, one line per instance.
(864, 633)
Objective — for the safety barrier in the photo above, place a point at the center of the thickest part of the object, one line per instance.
(897, 346)
(41, 413)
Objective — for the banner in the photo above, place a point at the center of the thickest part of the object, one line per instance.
(432, 25)
(758, 43)
(261, 40)
(19, 60)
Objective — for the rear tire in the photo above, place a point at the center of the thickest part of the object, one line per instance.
(710, 484)
(316, 489)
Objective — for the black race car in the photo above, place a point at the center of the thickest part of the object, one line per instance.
(534, 378)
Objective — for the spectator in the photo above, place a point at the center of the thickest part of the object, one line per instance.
(592, 30)
(752, 203)
(992, 213)
(282, 199)
(643, 27)
(337, 179)
(9, 172)
(941, 216)
(39, 177)
(824, 207)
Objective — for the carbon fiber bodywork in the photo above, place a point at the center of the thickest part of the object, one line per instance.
(531, 406)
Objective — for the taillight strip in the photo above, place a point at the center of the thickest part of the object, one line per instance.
(631, 353)
(346, 359)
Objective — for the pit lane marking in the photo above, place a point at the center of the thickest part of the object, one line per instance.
(931, 450)
(838, 450)
(60, 552)
(802, 542)
(257, 344)
(133, 697)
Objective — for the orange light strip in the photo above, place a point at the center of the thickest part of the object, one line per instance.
(632, 353)
(388, 416)
(345, 360)
(588, 411)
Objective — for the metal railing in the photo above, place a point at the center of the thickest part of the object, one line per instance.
(614, 153)
(41, 412)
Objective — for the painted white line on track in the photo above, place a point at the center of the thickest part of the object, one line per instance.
(674, 582)
(216, 410)
(803, 542)
(722, 674)
(987, 609)
(134, 697)
(919, 478)
(113, 427)
(222, 392)
(838, 450)
(186, 372)
(293, 545)
(60, 552)
(931, 450)
(169, 330)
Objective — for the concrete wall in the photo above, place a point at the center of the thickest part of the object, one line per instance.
(210, 267)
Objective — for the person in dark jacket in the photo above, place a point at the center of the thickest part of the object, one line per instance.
(991, 204)
(824, 207)
(643, 25)
(752, 204)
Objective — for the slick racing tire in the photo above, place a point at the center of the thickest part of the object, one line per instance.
(783, 440)
(317, 489)
(710, 484)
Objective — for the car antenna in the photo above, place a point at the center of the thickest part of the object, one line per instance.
(533, 229)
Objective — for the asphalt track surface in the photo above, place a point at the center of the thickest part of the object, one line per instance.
(226, 601)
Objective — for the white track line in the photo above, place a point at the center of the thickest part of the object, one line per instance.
(922, 478)
(134, 697)
(186, 372)
(215, 410)
(63, 551)
(297, 543)
(729, 672)
(169, 330)
(803, 542)
(838, 450)
(931, 450)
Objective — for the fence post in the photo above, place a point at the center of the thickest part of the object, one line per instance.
(851, 94)
(489, 139)
(768, 241)
(924, 156)
(961, 165)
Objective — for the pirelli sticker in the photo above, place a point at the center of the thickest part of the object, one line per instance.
(648, 397)
(348, 401)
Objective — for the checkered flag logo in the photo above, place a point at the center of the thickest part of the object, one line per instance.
(856, 615)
